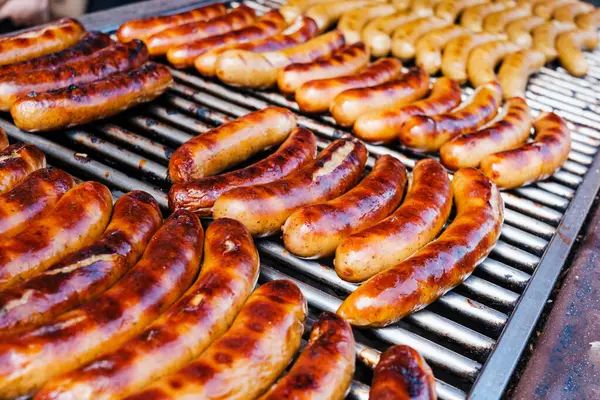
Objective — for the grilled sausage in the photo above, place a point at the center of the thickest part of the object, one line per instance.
(33, 198)
(569, 46)
(79, 104)
(384, 125)
(260, 70)
(544, 37)
(439, 266)
(327, 14)
(402, 374)
(456, 53)
(37, 42)
(482, 60)
(352, 22)
(303, 30)
(345, 61)
(533, 161)
(18, 161)
(401, 5)
(144, 28)
(428, 134)
(428, 49)
(84, 274)
(199, 196)
(167, 268)
(377, 33)
(516, 69)
(263, 209)
(589, 20)
(183, 56)
(406, 36)
(506, 133)
(3, 140)
(112, 59)
(472, 17)
(545, 9)
(424, 8)
(317, 96)
(78, 219)
(519, 31)
(230, 143)
(293, 9)
(496, 22)
(238, 18)
(325, 367)
(450, 10)
(202, 315)
(246, 360)
(350, 104)
(315, 231)
(414, 224)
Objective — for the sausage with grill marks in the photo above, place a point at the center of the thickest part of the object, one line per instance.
(18, 161)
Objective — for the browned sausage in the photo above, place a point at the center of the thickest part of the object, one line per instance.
(247, 359)
(202, 315)
(264, 208)
(317, 230)
(84, 274)
(439, 266)
(18, 161)
(569, 45)
(325, 367)
(199, 196)
(167, 268)
(3, 140)
(79, 104)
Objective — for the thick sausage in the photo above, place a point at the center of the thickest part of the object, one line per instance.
(516, 69)
(325, 367)
(33, 198)
(345, 61)
(414, 224)
(351, 104)
(202, 315)
(439, 266)
(428, 134)
(79, 104)
(115, 58)
(301, 31)
(293, 9)
(406, 36)
(327, 14)
(377, 33)
(533, 161)
(472, 17)
(456, 53)
(450, 9)
(37, 42)
(428, 49)
(316, 230)
(184, 56)
(78, 219)
(352, 22)
(402, 374)
(199, 196)
(231, 143)
(519, 31)
(18, 161)
(481, 65)
(143, 28)
(260, 70)
(84, 274)
(167, 268)
(496, 22)
(589, 20)
(238, 18)
(264, 208)
(544, 37)
(569, 46)
(317, 96)
(249, 357)
(506, 133)
(384, 125)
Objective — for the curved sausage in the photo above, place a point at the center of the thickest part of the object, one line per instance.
(79, 104)
(424, 8)
(202, 315)
(37, 42)
(472, 17)
(406, 36)
(18, 161)
(249, 357)
(351, 104)
(428, 48)
(199, 196)
(516, 69)
(145, 27)
(167, 268)
(115, 58)
(533, 161)
(327, 14)
(506, 133)
(183, 56)
(316, 230)
(260, 70)
(428, 134)
(456, 53)
(544, 37)
(417, 221)
(352, 22)
(231, 143)
(33, 198)
(377, 33)
(589, 20)
(496, 22)
(545, 9)
(345, 61)
(384, 125)
(450, 9)
(317, 95)
(402, 374)
(519, 31)
(238, 18)
(263, 209)
(84, 274)
(78, 219)
(483, 59)
(439, 266)
(325, 367)
(294, 9)
(569, 46)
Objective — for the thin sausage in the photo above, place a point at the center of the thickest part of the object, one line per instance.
(406, 36)
(352, 22)
(472, 17)
(327, 14)
(377, 33)
(481, 65)
(451, 9)
(516, 69)
(496, 22)
(569, 46)
(18, 161)
(428, 48)
(456, 53)
(294, 9)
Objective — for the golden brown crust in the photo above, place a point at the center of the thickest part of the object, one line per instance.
(482, 61)
(3, 140)
(519, 31)
(569, 46)
(516, 69)
(456, 53)
(18, 161)
(544, 37)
